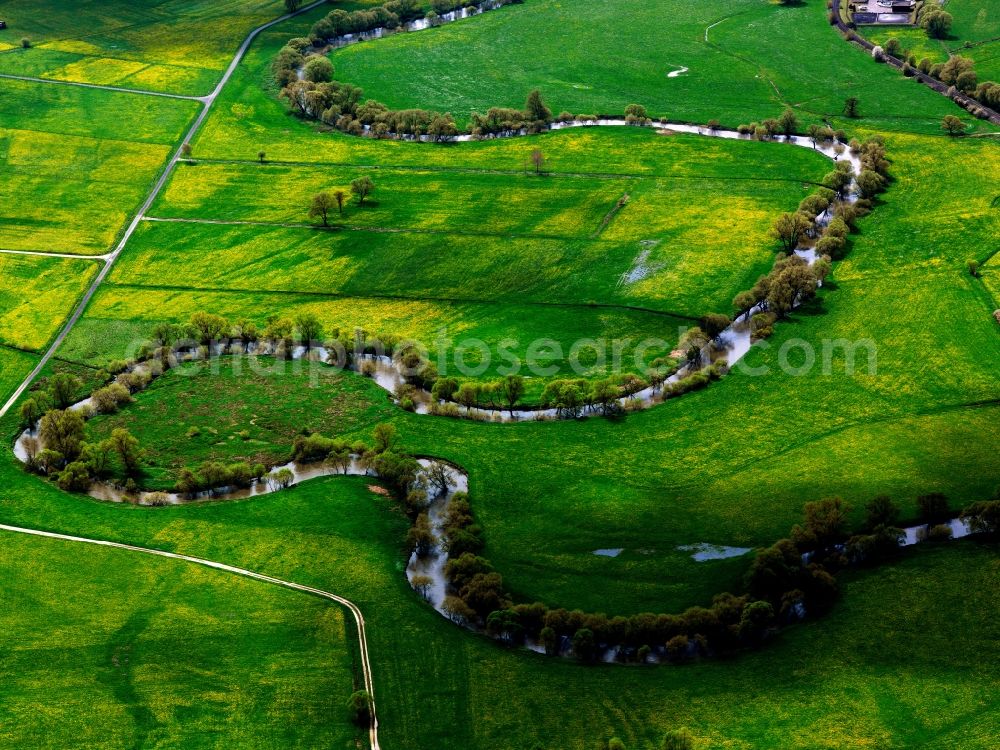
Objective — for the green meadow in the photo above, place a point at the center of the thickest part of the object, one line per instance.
(595, 57)
(176, 46)
(37, 294)
(462, 337)
(15, 365)
(886, 383)
(474, 236)
(975, 33)
(71, 184)
(125, 649)
(177, 419)
(905, 657)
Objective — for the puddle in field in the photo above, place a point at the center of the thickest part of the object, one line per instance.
(641, 268)
(703, 551)
(610, 552)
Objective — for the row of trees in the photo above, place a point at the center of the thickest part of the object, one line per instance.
(787, 124)
(788, 581)
(339, 105)
(61, 451)
(957, 72)
(211, 476)
(792, 280)
(477, 597)
(309, 448)
(210, 330)
(390, 15)
(339, 22)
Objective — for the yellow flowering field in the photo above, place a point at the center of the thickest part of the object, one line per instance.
(37, 294)
(177, 46)
(70, 194)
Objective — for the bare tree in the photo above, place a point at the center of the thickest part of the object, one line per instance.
(538, 160)
(322, 203)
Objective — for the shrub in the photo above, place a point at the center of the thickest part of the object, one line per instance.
(318, 69)
(677, 739)
(359, 707)
(281, 479)
(157, 499)
(936, 22)
(934, 533)
(107, 400)
(933, 507)
(74, 478)
(983, 517)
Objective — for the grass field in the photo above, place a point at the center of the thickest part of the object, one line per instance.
(684, 472)
(498, 237)
(176, 46)
(125, 650)
(37, 294)
(872, 673)
(70, 184)
(121, 318)
(975, 33)
(735, 66)
(14, 367)
(906, 659)
(273, 401)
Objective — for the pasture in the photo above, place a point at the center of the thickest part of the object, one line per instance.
(870, 672)
(885, 384)
(178, 46)
(459, 234)
(585, 58)
(37, 294)
(121, 318)
(70, 184)
(178, 424)
(126, 649)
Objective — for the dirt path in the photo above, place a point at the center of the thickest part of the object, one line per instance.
(102, 87)
(359, 619)
(74, 256)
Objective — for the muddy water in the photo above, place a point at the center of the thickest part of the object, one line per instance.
(416, 25)
(432, 566)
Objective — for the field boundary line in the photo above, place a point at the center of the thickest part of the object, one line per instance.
(355, 611)
(158, 185)
(382, 169)
(102, 87)
(43, 254)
